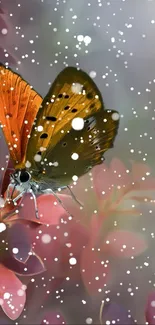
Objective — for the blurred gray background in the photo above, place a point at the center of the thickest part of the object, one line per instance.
(43, 37)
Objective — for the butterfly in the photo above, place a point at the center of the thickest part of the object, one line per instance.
(54, 140)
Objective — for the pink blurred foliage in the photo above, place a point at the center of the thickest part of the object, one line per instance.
(150, 308)
(53, 318)
(121, 185)
(6, 29)
(120, 193)
(124, 244)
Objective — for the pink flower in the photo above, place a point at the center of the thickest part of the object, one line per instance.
(113, 312)
(17, 256)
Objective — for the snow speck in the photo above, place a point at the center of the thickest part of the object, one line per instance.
(46, 238)
(77, 123)
(72, 261)
(2, 226)
(74, 156)
(115, 116)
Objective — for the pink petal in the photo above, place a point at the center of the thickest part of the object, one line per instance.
(56, 245)
(3, 153)
(3, 23)
(53, 318)
(95, 225)
(113, 312)
(18, 237)
(118, 170)
(94, 270)
(49, 213)
(105, 178)
(32, 266)
(74, 231)
(49, 248)
(139, 170)
(102, 180)
(49, 209)
(53, 255)
(2, 12)
(123, 243)
(6, 176)
(148, 184)
(150, 308)
(38, 297)
(14, 299)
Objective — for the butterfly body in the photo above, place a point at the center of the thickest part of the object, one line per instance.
(59, 138)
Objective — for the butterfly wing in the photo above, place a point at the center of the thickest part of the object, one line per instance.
(79, 151)
(19, 104)
(54, 142)
(73, 94)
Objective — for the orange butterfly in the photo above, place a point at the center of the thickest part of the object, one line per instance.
(56, 139)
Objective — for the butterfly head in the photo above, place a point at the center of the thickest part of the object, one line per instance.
(21, 177)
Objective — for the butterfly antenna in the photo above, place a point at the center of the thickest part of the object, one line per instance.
(7, 169)
(74, 197)
(10, 169)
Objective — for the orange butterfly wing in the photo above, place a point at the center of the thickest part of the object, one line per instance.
(19, 104)
(54, 140)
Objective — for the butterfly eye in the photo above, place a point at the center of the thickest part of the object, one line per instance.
(24, 176)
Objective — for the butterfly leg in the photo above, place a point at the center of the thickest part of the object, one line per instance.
(34, 197)
(74, 197)
(8, 196)
(18, 197)
(35, 203)
(58, 199)
(13, 191)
